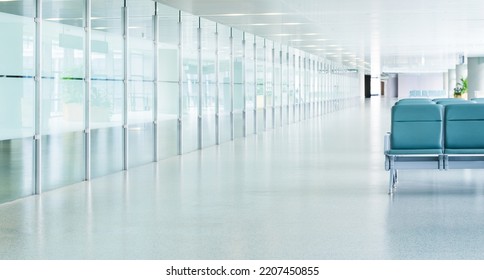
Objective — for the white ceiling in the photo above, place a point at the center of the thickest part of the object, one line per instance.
(408, 35)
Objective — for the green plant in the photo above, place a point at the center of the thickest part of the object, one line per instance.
(461, 87)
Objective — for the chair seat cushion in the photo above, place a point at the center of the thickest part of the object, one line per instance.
(415, 152)
(464, 151)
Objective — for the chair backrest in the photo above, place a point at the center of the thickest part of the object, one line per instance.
(464, 126)
(449, 101)
(411, 101)
(417, 127)
(478, 100)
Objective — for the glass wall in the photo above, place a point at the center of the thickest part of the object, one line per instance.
(107, 89)
(292, 86)
(250, 94)
(141, 84)
(277, 85)
(239, 79)
(190, 78)
(297, 85)
(269, 84)
(224, 83)
(168, 87)
(209, 82)
(285, 86)
(260, 83)
(63, 96)
(213, 83)
(17, 95)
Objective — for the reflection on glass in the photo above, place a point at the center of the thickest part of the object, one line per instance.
(16, 168)
(106, 150)
(209, 89)
(224, 82)
(16, 100)
(107, 88)
(16, 108)
(238, 124)
(63, 159)
(63, 92)
(168, 87)
(190, 83)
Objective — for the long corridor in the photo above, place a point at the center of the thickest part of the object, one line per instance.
(312, 190)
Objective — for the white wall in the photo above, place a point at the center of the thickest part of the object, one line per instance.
(427, 81)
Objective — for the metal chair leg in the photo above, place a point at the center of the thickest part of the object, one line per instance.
(392, 181)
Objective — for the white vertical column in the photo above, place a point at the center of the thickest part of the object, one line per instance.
(452, 82)
(445, 77)
(87, 88)
(375, 83)
(38, 98)
(475, 77)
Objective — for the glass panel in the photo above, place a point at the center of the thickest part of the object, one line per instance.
(168, 87)
(277, 117)
(16, 168)
(140, 139)
(16, 108)
(16, 100)
(297, 87)
(238, 125)
(249, 122)
(209, 79)
(277, 75)
(107, 88)
(17, 56)
(260, 85)
(168, 119)
(291, 93)
(63, 153)
(190, 83)
(260, 75)
(62, 159)
(269, 118)
(140, 94)
(224, 82)
(24, 8)
(238, 70)
(225, 127)
(269, 73)
(260, 120)
(106, 150)
(250, 82)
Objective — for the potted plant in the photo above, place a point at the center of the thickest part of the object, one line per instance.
(460, 91)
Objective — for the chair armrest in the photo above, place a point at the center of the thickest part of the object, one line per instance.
(386, 143)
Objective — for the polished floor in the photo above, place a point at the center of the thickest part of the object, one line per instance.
(312, 190)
